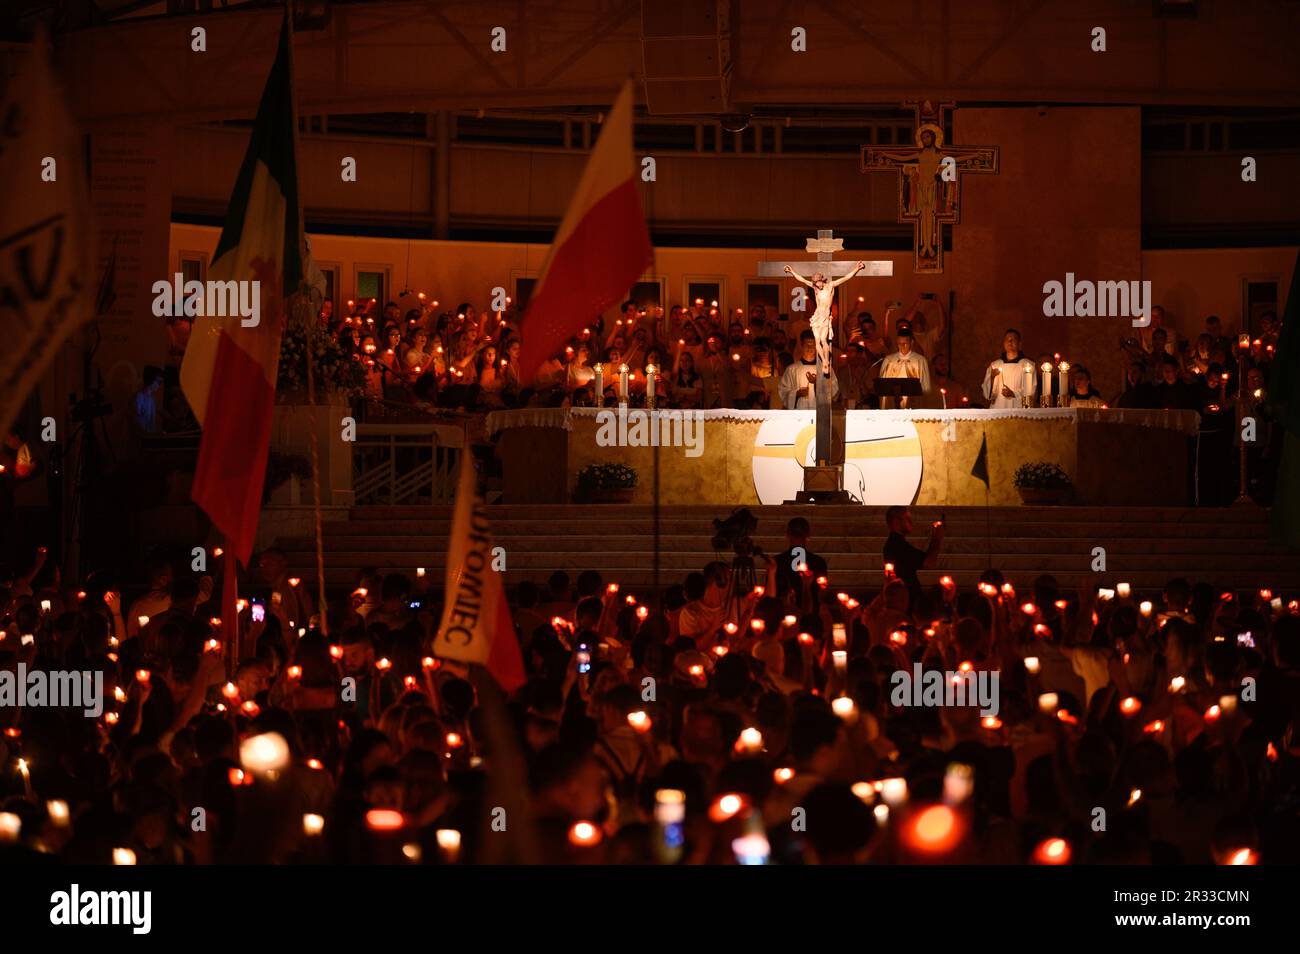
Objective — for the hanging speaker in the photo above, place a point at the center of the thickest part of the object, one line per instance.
(686, 51)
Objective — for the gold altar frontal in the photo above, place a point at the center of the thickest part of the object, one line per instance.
(1124, 457)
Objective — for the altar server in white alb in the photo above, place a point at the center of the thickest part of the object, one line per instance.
(1010, 377)
(907, 362)
(798, 383)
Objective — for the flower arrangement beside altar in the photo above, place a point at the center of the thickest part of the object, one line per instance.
(336, 372)
(1042, 482)
(606, 483)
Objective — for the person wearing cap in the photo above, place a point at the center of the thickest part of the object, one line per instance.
(908, 363)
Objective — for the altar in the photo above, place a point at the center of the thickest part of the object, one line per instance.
(732, 457)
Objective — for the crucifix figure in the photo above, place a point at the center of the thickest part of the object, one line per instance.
(822, 482)
(929, 191)
(820, 322)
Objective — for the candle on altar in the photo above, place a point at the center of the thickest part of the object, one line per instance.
(1046, 393)
(943, 393)
(1064, 368)
(622, 383)
(650, 375)
(600, 382)
(1029, 383)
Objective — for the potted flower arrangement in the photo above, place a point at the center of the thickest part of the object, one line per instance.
(606, 483)
(1042, 482)
(334, 370)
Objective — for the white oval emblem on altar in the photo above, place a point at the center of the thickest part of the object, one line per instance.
(882, 458)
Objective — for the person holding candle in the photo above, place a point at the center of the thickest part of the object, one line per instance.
(579, 372)
(1011, 378)
(907, 559)
(490, 380)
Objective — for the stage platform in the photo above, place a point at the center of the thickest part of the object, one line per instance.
(1124, 457)
(1145, 546)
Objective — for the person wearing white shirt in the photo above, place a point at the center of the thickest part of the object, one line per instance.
(798, 381)
(1010, 377)
(908, 363)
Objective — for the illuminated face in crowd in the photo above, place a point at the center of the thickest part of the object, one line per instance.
(1169, 372)
(691, 334)
(1011, 343)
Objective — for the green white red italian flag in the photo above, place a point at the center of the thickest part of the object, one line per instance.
(229, 370)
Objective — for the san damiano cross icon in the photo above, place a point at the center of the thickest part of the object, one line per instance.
(929, 174)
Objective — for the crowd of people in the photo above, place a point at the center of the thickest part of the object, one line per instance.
(750, 712)
(704, 357)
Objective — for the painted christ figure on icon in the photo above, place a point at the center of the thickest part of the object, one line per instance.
(820, 322)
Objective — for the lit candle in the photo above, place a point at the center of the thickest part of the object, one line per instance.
(1053, 851)
(640, 721)
(893, 791)
(600, 383)
(449, 844)
(650, 374)
(943, 393)
(844, 708)
(264, 753)
(839, 636)
(841, 660)
(1145, 607)
(584, 834)
(123, 856)
(1048, 701)
(26, 773)
(57, 809)
(10, 826)
(1123, 590)
(312, 824)
(1064, 369)
(1028, 368)
(622, 383)
(750, 741)
(751, 849)
(1046, 392)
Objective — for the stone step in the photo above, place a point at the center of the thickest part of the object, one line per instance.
(1144, 545)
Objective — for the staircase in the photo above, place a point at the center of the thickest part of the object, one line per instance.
(1145, 546)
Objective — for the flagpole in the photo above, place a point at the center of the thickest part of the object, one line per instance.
(309, 329)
